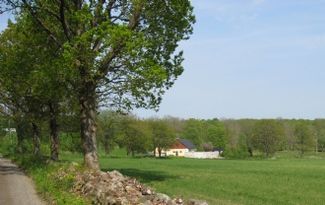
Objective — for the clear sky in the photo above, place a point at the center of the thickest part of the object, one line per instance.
(250, 59)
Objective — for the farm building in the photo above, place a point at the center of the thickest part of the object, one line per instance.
(178, 149)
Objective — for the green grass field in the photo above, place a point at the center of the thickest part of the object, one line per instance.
(285, 180)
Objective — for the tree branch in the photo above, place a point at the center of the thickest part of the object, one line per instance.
(47, 30)
(63, 21)
(134, 21)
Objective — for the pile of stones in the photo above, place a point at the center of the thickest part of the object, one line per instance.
(112, 188)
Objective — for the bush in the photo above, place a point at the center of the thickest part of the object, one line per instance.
(236, 153)
(70, 142)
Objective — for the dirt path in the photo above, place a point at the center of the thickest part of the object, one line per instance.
(15, 187)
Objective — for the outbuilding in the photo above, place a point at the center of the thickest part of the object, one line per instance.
(178, 149)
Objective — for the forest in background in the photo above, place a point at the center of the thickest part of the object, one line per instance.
(240, 138)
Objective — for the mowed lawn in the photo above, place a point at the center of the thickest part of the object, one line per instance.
(279, 181)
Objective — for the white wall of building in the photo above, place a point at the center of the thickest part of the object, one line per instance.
(172, 152)
(202, 155)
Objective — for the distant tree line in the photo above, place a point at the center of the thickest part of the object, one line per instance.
(237, 138)
(145, 135)
(247, 136)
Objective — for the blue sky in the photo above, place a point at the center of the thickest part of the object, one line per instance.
(250, 59)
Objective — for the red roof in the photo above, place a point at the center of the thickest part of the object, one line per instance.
(178, 145)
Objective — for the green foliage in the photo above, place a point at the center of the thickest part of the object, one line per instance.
(70, 142)
(193, 131)
(162, 135)
(109, 129)
(267, 135)
(305, 137)
(215, 133)
(53, 188)
(319, 127)
(135, 135)
(239, 151)
(204, 131)
(53, 180)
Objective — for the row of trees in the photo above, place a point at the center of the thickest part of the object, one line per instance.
(143, 135)
(64, 59)
(268, 136)
(137, 136)
(239, 138)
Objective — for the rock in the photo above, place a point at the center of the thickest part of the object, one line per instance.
(172, 202)
(147, 202)
(147, 191)
(115, 174)
(162, 197)
(196, 202)
(178, 201)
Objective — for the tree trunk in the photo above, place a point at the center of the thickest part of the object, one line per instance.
(159, 152)
(54, 133)
(20, 137)
(106, 144)
(250, 151)
(87, 101)
(36, 139)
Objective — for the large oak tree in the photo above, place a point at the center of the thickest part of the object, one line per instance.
(122, 52)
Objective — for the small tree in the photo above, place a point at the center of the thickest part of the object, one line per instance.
(267, 135)
(194, 130)
(215, 133)
(109, 123)
(304, 137)
(162, 135)
(135, 135)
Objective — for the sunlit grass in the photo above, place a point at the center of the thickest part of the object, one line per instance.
(284, 180)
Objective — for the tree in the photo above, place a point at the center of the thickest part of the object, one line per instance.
(109, 123)
(123, 50)
(194, 131)
(41, 91)
(162, 135)
(304, 137)
(267, 135)
(239, 142)
(215, 133)
(319, 125)
(16, 78)
(135, 135)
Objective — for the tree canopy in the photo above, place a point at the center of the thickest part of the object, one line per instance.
(120, 53)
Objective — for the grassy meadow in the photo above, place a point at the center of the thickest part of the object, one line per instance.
(283, 180)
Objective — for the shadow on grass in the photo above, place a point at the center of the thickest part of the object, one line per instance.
(145, 176)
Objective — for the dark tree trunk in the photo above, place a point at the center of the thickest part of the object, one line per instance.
(106, 144)
(87, 101)
(159, 151)
(250, 151)
(54, 133)
(36, 139)
(20, 137)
